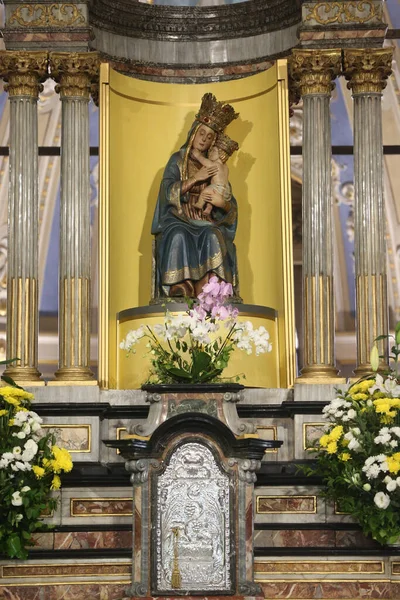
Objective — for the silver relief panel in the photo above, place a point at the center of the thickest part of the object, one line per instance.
(193, 523)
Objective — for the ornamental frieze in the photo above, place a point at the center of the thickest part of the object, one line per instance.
(343, 13)
(46, 15)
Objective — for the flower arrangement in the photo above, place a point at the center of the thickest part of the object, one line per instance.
(30, 467)
(359, 454)
(195, 347)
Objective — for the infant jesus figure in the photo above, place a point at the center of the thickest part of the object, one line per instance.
(219, 188)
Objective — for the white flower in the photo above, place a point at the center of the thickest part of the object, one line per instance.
(387, 479)
(394, 443)
(26, 428)
(388, 386)
(369, 402)
(18, 517)
(16, 499)
(34, 417)
(396, 431)
(25, 489)
(21, 417)
(30, 450)
(132, 338)
(367, 487)
(354, 445)
(35, 426)
(21, 466)
(372, 472)
(20, 435)
(3, 463)
(352, 414)
(391, 486)
(17, 451)
(381, 500)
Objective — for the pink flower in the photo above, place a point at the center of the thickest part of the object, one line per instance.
(212, 287)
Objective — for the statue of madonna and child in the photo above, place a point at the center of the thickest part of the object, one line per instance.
(195, 218)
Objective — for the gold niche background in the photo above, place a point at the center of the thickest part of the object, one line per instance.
(141, 124)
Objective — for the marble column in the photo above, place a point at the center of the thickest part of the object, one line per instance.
(23, 72)
(367, 71)
(314, 71)
(74, 73)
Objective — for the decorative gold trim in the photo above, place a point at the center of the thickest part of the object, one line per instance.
(190, 104)
(287, 353)
(327, 13)
(61, 565)
(367, 69)
(96, 499)
(46, 17)
(305, 425)
(338, 512)
(82, 582)
(395, 568)
(380, 570)
(104, 231)
(286, 512)
(73, 426)
(74, 72)
(274, 437)
(315, 70)
(24, 71)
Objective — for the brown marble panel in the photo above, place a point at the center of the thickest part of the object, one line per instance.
(338, 590)
(44, 541)
(78, 540)
(107, 507)
(395, 568)
(286, 504)
(287, 538)
(65, 570)
(74, 438)
(321, 566)
(354, 539)
(80, 591)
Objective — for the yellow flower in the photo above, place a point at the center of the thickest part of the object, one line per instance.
(3, 412)
(14, 392)
(345, 456)
(11, 422)
(38, 471)
(336, 433)
(324, 440)
(362, 386)
(62, 460)
(13, 401)
(332, 448)
(360, 396)
(393, 463)
(56, 483)
(22, 409)
(345, 442)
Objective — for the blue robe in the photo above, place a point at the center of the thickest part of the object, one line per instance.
(187, 248)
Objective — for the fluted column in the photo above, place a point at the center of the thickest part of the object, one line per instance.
(23, 72)
(367, 71)
(314, 71)
(74, 73)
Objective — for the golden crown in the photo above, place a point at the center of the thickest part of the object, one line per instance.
(216, 115)
(227, 144)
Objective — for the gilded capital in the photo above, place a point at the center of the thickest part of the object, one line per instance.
(314, 71)
(75, 72)
(23, 72)
(367, 69)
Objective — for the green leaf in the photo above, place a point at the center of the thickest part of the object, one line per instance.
(201, 362)
(10, 381)
(178, 373)
(14, 545)
(381, 337)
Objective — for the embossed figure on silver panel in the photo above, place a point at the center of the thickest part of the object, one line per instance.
(193, 523)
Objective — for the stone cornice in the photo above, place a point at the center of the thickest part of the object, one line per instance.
(172, 23)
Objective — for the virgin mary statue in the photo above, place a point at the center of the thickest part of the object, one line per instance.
(192, 245)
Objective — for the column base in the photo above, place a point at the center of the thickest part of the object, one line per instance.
(24, 375)
(366, 369)
(74, 375)
(318, 372)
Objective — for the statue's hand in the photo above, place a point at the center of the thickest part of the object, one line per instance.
(206, 172)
